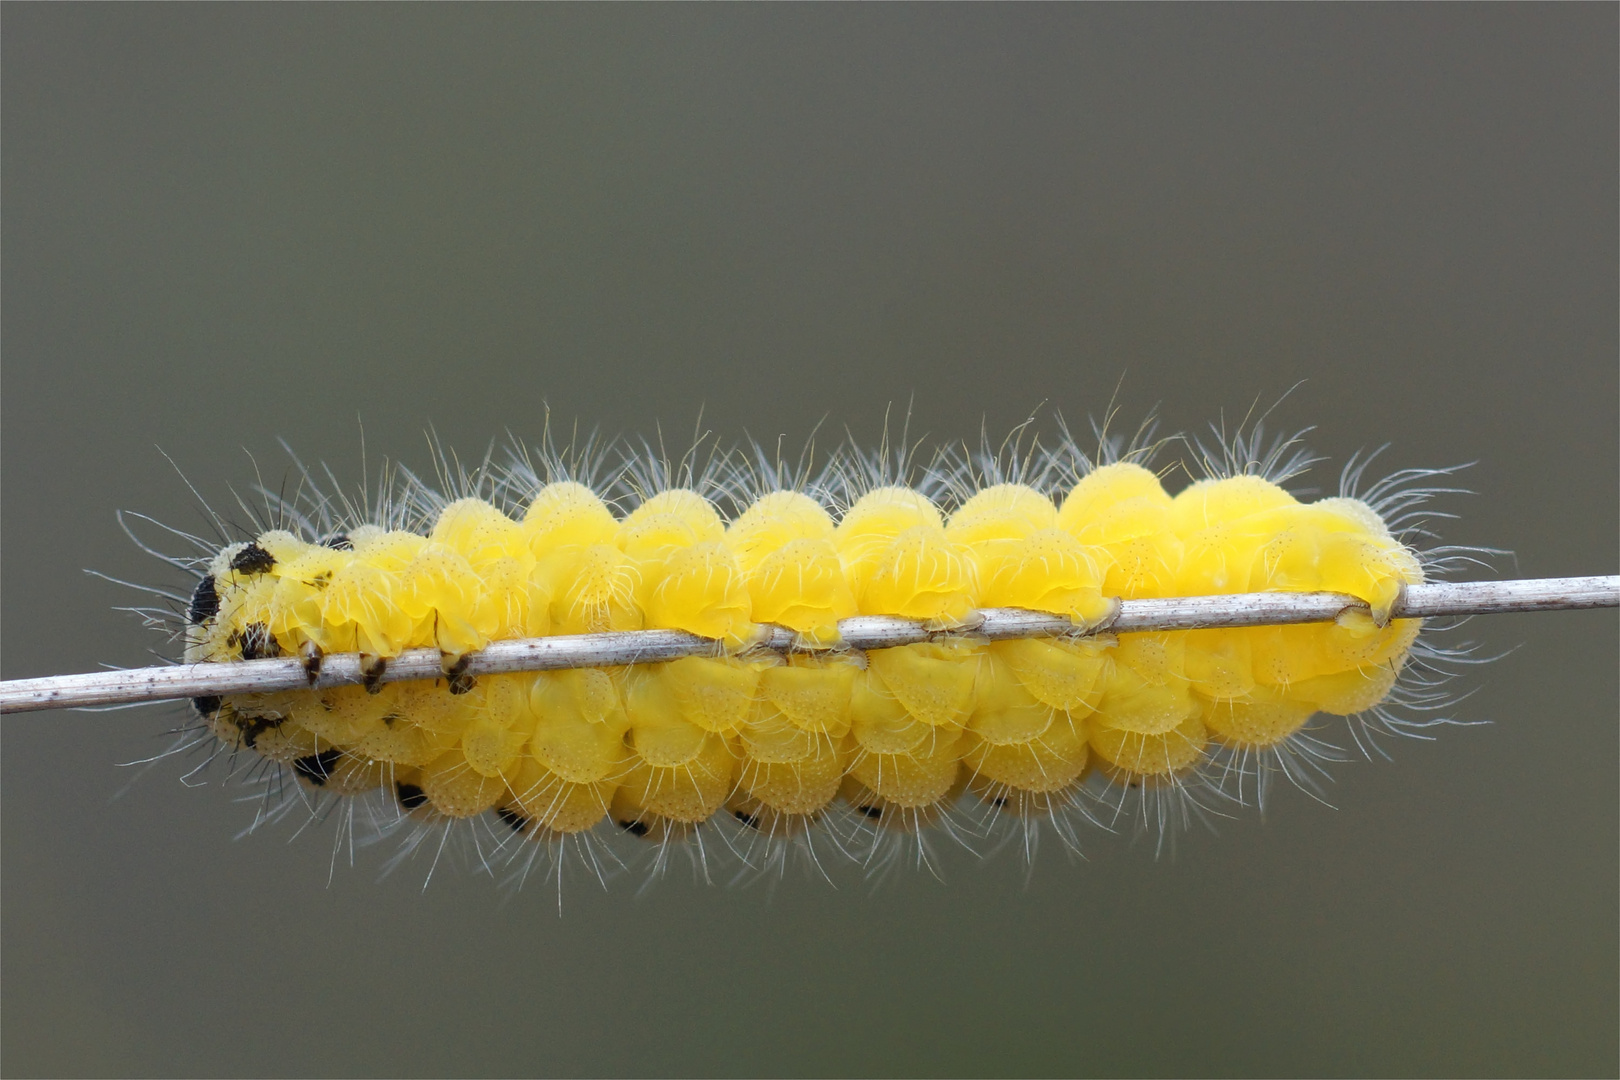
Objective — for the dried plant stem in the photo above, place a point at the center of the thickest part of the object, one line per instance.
(861, 632)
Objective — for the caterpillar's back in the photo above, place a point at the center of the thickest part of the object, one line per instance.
(767, 752)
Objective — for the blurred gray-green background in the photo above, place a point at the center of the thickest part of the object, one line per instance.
(225, 224)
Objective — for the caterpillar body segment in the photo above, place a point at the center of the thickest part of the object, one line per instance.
(867, 742)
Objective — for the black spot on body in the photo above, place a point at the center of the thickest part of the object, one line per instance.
(204, 602)
(338, 542)
(999, 801)
(207, 707)
(455, 672)
(258, 643)
(313, 658)
(252, 559)
(750, 820)
(411, 797)
(252, 727)
(635, 828)
(870, 811)
(371, 673)
(513, 818)
(317, 768)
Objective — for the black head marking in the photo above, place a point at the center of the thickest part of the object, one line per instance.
(252, 559)
(258, 643)
(513, 818)
(871, 811)
(204, 602)
(207, 707)
(411, 797)
(635, 828)
(317, 768)
(750, 820)
(338, 542)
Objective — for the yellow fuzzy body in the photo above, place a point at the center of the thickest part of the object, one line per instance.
(906, 727)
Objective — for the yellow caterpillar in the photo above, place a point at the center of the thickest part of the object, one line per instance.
(774, 745)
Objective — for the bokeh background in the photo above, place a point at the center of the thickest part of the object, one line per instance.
(228, 224)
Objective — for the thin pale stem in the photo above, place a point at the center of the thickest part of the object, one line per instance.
(861, 632)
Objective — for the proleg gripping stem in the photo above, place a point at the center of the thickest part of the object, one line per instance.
(858, 633)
